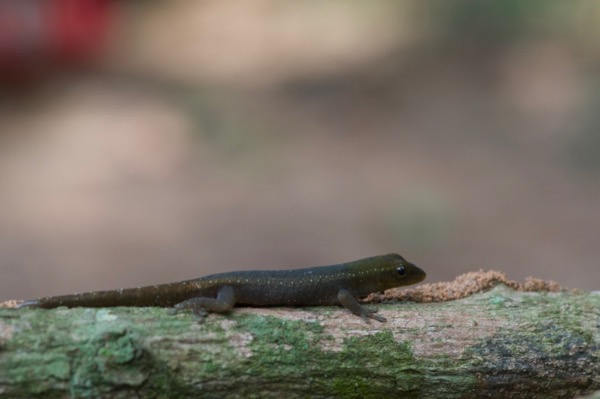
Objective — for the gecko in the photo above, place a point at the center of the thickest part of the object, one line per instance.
(339, 284)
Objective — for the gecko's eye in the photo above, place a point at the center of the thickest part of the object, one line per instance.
(401, 270)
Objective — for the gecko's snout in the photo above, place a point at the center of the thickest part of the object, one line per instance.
(416, 273)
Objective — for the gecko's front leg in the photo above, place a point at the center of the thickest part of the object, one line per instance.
(349, 302)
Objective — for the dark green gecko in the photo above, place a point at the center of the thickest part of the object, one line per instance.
(339, 284)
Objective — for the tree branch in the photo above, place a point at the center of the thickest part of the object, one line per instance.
(499, 343)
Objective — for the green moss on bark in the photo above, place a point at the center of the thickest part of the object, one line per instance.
(498, 343)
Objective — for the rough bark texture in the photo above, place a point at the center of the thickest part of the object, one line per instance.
(500, 343)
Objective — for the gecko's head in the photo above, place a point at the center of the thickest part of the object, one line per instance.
(399, 271)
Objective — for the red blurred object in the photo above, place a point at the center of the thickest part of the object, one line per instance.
(40, 35)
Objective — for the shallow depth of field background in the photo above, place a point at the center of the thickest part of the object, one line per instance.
(207, 136)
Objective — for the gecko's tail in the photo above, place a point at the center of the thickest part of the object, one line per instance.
(165, 295)
(33, 303)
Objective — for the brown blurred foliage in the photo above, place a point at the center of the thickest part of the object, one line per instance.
(212, 136)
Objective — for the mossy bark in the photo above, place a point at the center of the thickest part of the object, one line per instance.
(499, 343)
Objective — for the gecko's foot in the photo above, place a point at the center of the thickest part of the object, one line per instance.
(199, 313)
(372, 314)
(174, 311)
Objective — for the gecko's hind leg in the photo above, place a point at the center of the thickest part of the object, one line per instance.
(200, 306)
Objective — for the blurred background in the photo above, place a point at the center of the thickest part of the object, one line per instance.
(144, 142)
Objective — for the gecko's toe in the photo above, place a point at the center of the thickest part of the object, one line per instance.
(372, 313)
(377, 317)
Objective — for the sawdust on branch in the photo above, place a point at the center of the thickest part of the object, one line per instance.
(463, 286)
